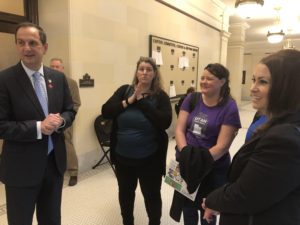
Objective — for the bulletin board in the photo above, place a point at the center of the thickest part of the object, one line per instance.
(177, 62)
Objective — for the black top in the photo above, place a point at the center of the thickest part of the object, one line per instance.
(160, 116)
(264, 179)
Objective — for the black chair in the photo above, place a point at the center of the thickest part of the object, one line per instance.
(103, 129)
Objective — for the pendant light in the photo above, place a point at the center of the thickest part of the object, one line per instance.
(248, 8)
(276, 34)
(275, 37)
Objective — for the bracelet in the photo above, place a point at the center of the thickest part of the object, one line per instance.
(126, 100)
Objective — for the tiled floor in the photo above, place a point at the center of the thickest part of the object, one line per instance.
(94, 200)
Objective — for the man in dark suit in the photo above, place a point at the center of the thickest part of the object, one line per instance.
(34, 155)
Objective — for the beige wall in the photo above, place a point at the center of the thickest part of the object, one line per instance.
(104, 39)
(8, 54)
(55, 20)
(248, 68)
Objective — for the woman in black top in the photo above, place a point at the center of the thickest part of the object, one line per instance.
(141, 113)
(264, 177)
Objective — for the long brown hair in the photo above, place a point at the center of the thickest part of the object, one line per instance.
(156, 84)
(284, 93)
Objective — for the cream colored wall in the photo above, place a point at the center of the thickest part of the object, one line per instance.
(8, 56)
(248, 67)
(55, 20)
(235, 66)
(105, 39)
(210, 11)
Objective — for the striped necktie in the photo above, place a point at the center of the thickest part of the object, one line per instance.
(41, 93)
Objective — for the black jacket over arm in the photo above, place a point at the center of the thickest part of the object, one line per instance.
(160, 116)
(264, 179)
(194, 164)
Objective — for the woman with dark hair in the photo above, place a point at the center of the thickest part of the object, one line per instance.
(212, 124)
(141, 113)
(264, 178)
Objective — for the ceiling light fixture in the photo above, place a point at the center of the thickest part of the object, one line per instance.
(275, 37)
(248, 8)
(276, 34)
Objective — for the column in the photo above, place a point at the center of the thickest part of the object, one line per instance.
(235, 58)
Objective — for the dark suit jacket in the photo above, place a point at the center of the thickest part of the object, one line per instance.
(264, 179)
(24, 157)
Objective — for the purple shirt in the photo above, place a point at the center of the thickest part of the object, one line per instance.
(204, 123)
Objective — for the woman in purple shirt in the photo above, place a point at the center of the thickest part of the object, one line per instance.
(211, 124)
